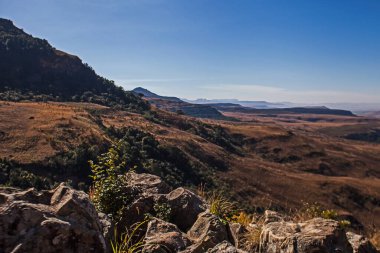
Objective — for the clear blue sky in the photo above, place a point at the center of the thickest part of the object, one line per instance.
(296, 50)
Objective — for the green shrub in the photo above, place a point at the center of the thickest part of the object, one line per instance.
(163, 211)
(109, 192)
(13, 175)
(24, 179)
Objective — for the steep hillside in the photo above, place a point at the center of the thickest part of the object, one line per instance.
(30, 68)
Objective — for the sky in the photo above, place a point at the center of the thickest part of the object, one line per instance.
(301, 51)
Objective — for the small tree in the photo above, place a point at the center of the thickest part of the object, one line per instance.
(109, 192)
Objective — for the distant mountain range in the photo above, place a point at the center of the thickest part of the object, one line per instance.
(223, 107)
(148, 94)
(174, 104)
(204, 108)
(359, 108)
(255, 104)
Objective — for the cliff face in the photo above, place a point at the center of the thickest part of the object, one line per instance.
(65, 220)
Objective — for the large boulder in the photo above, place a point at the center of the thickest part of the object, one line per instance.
(238, 234)
(147, 184)
(185, 207)
(316, 235)
(145, 190)
(162, 236)
(61, 220)
(207, 232)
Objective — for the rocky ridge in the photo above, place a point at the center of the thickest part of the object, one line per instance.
(65, 220)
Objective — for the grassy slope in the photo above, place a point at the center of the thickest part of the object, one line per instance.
(278, 164)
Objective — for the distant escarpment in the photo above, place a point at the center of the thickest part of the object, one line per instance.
(229, 107)
(174, 104)
(31, 69)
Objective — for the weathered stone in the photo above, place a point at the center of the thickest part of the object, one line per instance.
(360, 244)
(185, 207)
(107, 228)
(143, 189)
(61, 220)
(147, 184)
(225, 247)
(237, 232)
(162, 236)
(136, 211)
(316, 235)
(206, 233)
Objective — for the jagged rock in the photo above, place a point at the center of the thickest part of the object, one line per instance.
(162, 236)
(147, 184)
(61, 220)
(316, 235)
(107, 228)
(360, 244)
(185, 207)
(136, 211)
(144, 190)
(237, 233)
(207, 232)
(225, 247)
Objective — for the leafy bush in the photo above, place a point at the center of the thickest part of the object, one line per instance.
(109, 192)
(24, 179)
(13, 175)
(143, 152)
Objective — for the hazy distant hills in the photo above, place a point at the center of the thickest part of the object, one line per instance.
(255, 104)
(148, 94)
(206, 109)
(273, 111)
(174, 104)
(31, 69)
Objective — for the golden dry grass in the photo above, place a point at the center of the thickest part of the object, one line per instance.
(260, 178)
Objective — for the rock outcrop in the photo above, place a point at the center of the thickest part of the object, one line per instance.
(206, 233)
(65, 220)
(61, 220)
(360, 244)
(315, 235)
(185, 207)
(162, 236)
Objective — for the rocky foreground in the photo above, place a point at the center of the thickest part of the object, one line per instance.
(65, 220)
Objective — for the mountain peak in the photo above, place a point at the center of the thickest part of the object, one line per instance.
(145, 92)
(7, 27)
(6, 22)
